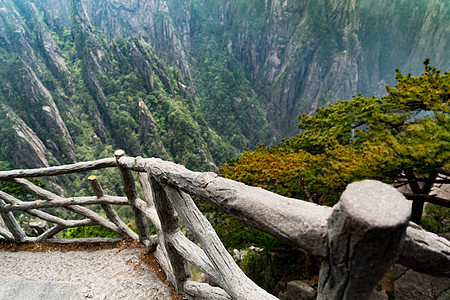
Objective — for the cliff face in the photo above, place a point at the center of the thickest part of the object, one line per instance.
(305, 54)
(148, 19)
(406, 33)
(304, 57)
(25, 100)
(70, 94)
(195, 80)
(298, 54)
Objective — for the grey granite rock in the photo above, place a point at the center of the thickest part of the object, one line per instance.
(379, 295)
(299, 290)
(413, 285)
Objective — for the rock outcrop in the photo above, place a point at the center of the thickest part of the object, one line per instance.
(413, 285)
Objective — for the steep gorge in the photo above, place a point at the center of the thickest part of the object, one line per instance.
(304, 54)
(297, 55)
(194, 81)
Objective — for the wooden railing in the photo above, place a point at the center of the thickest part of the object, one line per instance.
(359, 238)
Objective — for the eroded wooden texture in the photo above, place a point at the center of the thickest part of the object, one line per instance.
(49, 196)
(45, 216)
(86, 240)
(169, 226)
(5, 234)
(360, 238)
(298, 222)
(425, 252)
(109, 210)
(203, 291)
(365, 235)
(65, 202)
(59, 170)
(130, 191)
(148, 208)
(13, 226)
(231, 278)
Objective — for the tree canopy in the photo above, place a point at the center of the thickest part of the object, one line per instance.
(401, 139)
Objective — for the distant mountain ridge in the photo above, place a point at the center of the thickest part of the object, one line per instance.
(194, 81)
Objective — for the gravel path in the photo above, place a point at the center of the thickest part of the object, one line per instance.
(105, 274)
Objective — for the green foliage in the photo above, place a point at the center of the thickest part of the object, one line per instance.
(4, 165)
(401, 138)
(89, 231)
(225, 94)
(110, 95)
(125, 212)
(97, 231)
(147, 113)
(318, 178)
(17, 191)
(437, 218)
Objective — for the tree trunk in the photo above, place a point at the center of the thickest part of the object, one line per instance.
(417, 210)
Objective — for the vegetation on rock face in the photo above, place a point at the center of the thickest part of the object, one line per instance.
(300, 55)
(70, 95)
(294, 55)
(225, 96)
(143, 102)
(245, 69)
(402, 138)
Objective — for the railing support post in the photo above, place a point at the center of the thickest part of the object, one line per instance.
(13, 226)
(169, 226)
(365, 233)
(129, 188)
(109, 210)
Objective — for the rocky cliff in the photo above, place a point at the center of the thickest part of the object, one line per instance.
(298, 55)
(68, 93)
(195, 81)
(305, 54)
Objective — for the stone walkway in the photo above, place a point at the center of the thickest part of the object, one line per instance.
(105, 274)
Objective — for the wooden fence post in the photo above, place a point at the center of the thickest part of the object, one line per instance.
(226, 272)
(169, 226)
(109, 210)
(129, 188)
(365, 234)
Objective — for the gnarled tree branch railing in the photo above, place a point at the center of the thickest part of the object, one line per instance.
(359, 238)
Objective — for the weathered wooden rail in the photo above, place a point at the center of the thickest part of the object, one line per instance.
(359, 238)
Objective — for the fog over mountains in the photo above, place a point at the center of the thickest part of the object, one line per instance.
(194, 81)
